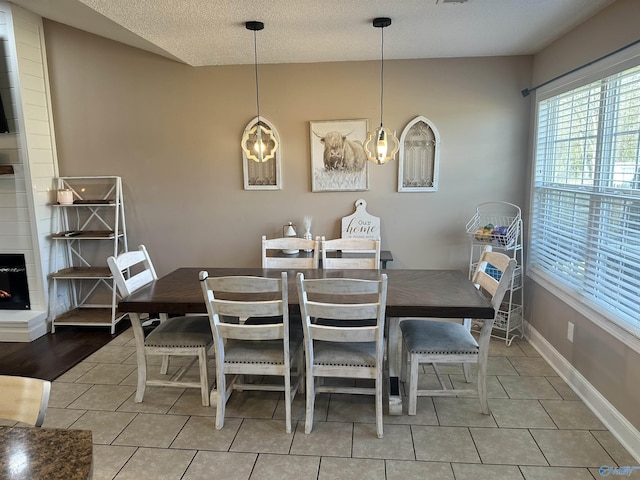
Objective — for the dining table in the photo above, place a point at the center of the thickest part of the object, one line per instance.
(422, 293)
(45, 453)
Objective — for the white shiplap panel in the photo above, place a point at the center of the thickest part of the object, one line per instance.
(31, 82)
(39, 127)
(39, 157)
(21, 200)
(14, 215)
(39, 142)
(29, 67)
(13, 229)
(17, 244)
(29, 52)
(26, 29)
(42, 174)
(30, 103)
(33, 97)
(34, 111)
(11, 185)
(7, 199)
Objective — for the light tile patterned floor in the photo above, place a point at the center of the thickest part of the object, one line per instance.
(538, 429)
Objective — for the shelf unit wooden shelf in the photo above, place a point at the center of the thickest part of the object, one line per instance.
(90, 229)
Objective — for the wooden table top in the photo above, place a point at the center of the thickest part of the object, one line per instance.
(410, 293)
(45, 453)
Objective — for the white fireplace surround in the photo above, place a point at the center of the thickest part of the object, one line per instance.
(25, 195)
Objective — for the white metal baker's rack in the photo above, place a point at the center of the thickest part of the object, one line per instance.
(507, 239)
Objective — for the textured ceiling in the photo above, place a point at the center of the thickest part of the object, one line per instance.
(212, 32)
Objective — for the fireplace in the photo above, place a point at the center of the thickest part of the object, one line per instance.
(14, 289)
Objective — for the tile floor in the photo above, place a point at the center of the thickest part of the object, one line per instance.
(538, 429)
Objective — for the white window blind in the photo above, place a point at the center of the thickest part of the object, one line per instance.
(585, 223)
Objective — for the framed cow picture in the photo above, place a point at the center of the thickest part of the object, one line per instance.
(338, 160)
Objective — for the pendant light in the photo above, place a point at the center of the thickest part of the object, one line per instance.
(258, 142)
(381, 144)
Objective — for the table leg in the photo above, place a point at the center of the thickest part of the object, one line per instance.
(393, 362)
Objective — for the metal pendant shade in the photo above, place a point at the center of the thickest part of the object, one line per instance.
(381, 144)
(258, 142)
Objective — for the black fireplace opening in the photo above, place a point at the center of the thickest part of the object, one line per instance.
(14, 289)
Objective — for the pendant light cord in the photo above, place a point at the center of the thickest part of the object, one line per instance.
(255, 57)
(381, 75)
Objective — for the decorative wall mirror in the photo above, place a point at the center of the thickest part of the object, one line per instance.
(419, 157)
(263, 175)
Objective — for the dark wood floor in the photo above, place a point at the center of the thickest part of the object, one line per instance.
(51, 355)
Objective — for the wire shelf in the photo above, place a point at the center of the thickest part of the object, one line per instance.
(496, 223)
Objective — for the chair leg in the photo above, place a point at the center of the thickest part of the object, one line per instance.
(164, 368)
(482, 388)
(141, 357)
(311, 398)
(287, 401)
(204, 376)
(221, 387)
(483, 354)
(379, 425)
(404, 354)
(413, 384)
(300, 372)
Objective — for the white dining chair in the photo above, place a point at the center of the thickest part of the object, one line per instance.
(353, 351)
(255, 349)
(445, 342)
(271, 257)
(349, 253)
(24, 399)
(185, 336)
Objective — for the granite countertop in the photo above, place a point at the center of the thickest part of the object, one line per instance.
(45, 453)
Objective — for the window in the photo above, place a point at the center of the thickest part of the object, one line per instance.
(585, 221)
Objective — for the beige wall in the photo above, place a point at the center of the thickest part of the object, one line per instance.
(173, 132)
(607, 364)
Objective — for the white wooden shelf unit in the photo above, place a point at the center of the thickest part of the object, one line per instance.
(93, 227)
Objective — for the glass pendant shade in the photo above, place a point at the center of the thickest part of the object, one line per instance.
(381, 145)
(259, 143)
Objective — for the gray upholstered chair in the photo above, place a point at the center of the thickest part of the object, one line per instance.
(354, 351)
(437, 342)
(255, 349)
(188, 336)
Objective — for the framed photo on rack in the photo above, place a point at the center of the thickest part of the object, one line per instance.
(338, 160)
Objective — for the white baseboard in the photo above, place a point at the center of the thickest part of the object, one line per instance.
(617, 424)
